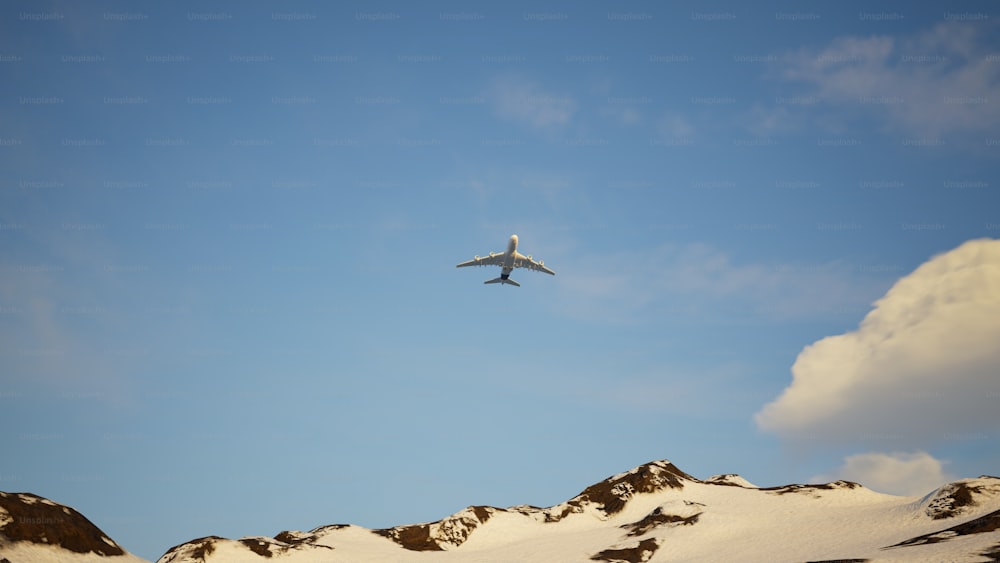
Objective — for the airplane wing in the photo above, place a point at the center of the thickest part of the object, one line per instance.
(494, 259)
(522, 261)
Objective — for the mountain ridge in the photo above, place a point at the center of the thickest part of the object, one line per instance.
(653, 512)
(640, 511)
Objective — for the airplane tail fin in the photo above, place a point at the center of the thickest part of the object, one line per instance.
(502, 281)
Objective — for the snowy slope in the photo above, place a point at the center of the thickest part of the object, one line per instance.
(656, 512)
(35, 529)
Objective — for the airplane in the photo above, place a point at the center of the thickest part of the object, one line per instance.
(508, 260)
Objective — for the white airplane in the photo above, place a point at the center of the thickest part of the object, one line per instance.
(508, 260)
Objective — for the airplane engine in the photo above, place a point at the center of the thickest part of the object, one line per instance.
(492, 254)
(529, 257)
(541, 262)
(477, 256)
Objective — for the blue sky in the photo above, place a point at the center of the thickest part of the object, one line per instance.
(229, 303)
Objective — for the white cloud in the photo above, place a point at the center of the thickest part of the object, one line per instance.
(921, 368)
(525, 101)
(898, 473)
(933, 83)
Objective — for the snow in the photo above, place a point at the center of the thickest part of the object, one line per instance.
(944, 501)
(725, 523)
(26, 552)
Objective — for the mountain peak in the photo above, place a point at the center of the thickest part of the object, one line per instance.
(607, 497)
(614, 492)
(31, 525)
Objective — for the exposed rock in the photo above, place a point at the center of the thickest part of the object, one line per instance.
(614, 492)
(443, 534)
(993, 553)
(194, 550)
(258, 546)
(811, 489)
(415, 537)
(200, 549)
(659, 518)
(25, 517)
(981, 525)
(294, 538)
(640, 553)
(953, 499)
(730, 479)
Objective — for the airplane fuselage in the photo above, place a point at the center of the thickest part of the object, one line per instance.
(508, 259)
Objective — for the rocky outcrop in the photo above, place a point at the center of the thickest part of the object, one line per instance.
(201, 549)
(28, 518)
(441, 535)
(954, 499)
(640, 553)
(812, 490)
(981, 525)
(612, 493)
(662, 516)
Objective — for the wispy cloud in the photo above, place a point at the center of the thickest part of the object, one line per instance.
(525, 101)
(52, 325)
(936, 82)
(704, 392)
(920, 369)
(623, 115)
(699, 281)
(674, 127)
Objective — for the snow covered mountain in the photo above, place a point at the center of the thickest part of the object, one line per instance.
(656, 512)
(35, 529)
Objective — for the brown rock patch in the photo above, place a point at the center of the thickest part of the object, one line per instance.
(981, 525)
(452, 531)
(614, 492)
(806, 489)
(415, 538)
(194, 550)
(638, 554)
(37, 520)
(259, 547)
(656, 519)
